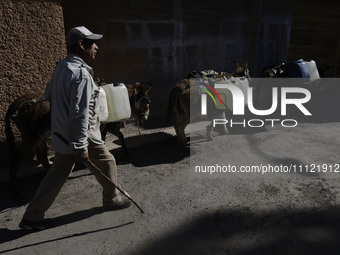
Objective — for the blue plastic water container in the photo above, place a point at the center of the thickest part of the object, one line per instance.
(297, 69)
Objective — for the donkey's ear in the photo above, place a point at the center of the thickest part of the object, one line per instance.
(131, 89)
(236, 64)
(245, 63)
(147, 87)
(137, 85)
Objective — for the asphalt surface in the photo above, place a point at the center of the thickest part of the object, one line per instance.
(190, 213)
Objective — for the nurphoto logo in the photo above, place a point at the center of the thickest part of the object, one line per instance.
(235, 97)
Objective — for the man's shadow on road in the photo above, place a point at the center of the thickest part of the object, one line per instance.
(7, 235)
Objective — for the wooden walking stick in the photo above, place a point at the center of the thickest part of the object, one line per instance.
(89, 164)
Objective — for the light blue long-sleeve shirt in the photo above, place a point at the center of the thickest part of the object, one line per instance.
(74, 107)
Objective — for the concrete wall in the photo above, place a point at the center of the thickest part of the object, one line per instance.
(32, 40)
(316, 34)
(162, 41)
(270, 29)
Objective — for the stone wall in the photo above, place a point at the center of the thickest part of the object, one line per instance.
(32, 40)
(163, 41)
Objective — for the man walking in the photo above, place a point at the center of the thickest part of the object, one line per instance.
(74, 116)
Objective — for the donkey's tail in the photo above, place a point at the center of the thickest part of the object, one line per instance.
(171, 104)
(10, 140)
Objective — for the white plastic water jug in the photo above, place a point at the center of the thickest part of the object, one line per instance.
(226, 95)
(118, 102)
(243, 84)
(102, 104)
(313, 70)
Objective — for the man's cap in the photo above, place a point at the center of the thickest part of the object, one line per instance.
(78, 33)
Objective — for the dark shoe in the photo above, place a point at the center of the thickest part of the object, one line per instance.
(124, 203)
(32, 225)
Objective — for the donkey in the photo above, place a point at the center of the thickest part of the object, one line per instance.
(140, 108)
(31, 115)
(186, 93)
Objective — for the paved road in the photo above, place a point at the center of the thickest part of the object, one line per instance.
(189, 214)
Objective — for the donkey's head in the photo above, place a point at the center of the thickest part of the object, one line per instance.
(139, 100)
(276, 71)
(241, 71)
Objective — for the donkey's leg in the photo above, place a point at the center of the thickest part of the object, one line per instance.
(114, 128)
(120, 136)
(209, 131)
(182, 120)
(181, 138)
(221, 128)
(42, 150)
(17, 157)
(15, 161)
